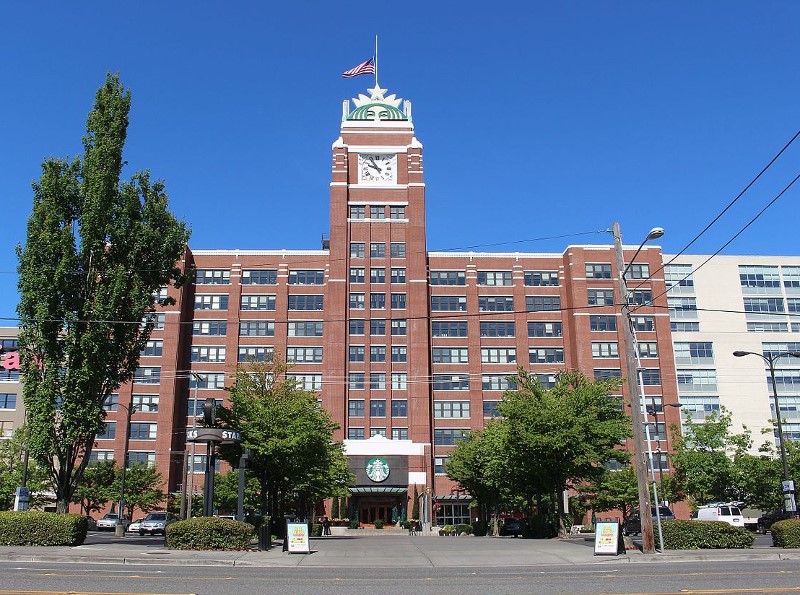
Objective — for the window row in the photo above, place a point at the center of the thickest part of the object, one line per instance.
(495, 278)
(259, 277)
(377, 249)
(377, 380)
(377, 212)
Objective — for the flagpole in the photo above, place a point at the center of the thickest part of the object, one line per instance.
(376, 60)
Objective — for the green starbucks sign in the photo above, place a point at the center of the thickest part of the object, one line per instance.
(377, 469)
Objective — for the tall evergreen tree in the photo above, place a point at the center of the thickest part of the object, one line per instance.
(95, 254)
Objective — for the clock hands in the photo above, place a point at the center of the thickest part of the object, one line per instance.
(371, 162)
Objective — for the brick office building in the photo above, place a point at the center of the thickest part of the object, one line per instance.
(407, 349)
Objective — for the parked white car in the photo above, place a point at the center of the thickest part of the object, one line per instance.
(135, 525)
(156, 522)
(727, 512)
(109, 522)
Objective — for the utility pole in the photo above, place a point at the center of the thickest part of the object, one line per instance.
(639, 463)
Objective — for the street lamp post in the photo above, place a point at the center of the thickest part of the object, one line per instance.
(119, 529)
(640, 464)
(788, 489)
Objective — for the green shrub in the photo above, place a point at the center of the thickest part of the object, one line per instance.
(316, 530)
(693, 535)
(786, 533)
(209, 533)
(354, 524)
(405, 524)
(378, 523)
(447, 530)
(479, 528)
(41, 528)
(463, 529)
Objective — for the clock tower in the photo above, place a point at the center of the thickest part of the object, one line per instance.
(378, 352)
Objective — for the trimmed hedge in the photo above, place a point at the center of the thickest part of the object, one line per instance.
(786, 533)
(694, 535)
(41, 528)
(479, 528)
(209, 533)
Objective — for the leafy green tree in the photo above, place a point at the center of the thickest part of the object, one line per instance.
(294, 457)
(481, 465)
(12, 453)
(95, 254)
(142, 489)
(415, 505)
(614, 490)
(226, 492)
(95, 488)
(561, 437)
(335, 508)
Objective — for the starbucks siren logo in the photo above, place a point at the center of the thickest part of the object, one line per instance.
(377, 469)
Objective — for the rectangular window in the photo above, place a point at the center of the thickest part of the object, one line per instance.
(377, 301)
(495, 278)
(768, 327)
(770, 305)
(448, 303)
(210, 302)
(793, 305)
(448, 436)
(449, 355)
(141, 431)
(355, 407)
(694, 352)
(398, 301)
(101, 455)
(207, 380)
(542, 303)
(212, 277)
(697, 380)
(147, 375)
(544, 329)
(146, 403)
(449, 328)
(791, 277)
(307, 277)
(355, 433)
(679, 278)
(256, 354)
(257, 302)
(651, 376)
(210, 328)
(356, 382)
(304, 328)
(490, 409)
(257, 328)
(260, 277)
(777, 349)
(109, 431)
(154, 347)
(451, 382)
(643, 323)
(356, 274)
(377, 432)
(377, 212)
(648, 349)
(304, 355)
(377, 353)
(9, 401)
(208, 353)
(498, 382)
(495, 303)
(602, 323)
(598, 271)
(601, 374)
(686, 327)
(397, 249)
(760, 279)
(497, 329)
(399, 353)
(546, 355)
(305, 302)
(640, 297)
(357, 212)
(605, 349)
(440, 465)
(541, 278)
(448, 278)
(111, 402)
(399, 408)
(377, 327)
(356, 353)
(399, 327)
(377, 275)
(398, 275)
(399, 433)
(357, 326)
(399, 381)
(498, 355)
(357, 249)
(397, 212)
(157, 319)
(357, 301)
(312, 382)
(377, 407)
(451, 409)
(377, 250)
(194, 408)
(601, 297)
(638, 271)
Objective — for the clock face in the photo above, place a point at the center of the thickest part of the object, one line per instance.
(377, 168)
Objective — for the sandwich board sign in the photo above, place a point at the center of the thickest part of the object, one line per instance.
(606, 539)
(297, 535)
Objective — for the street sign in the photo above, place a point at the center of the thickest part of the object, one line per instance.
(788, 486)
(213, 435)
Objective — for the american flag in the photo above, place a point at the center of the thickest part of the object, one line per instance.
(367, 67)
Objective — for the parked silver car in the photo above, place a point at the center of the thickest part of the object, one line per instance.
(156, 522)
(109, 522)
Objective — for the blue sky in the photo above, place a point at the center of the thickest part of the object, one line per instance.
(538, 119)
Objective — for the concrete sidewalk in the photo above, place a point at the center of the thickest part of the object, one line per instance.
(388, 551)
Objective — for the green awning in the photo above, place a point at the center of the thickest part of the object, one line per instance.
(377, 490)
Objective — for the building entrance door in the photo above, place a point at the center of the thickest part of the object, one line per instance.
(369, 512)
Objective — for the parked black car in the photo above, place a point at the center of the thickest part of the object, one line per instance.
(515, 527)
(633, 526)
(765, 522)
